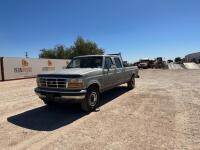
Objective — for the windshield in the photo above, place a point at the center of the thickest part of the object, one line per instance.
(86, 62)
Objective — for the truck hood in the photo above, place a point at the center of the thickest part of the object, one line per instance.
(73, 71)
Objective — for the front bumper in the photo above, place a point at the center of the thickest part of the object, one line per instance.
(63, 94)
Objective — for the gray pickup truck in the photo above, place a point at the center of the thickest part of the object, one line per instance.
(84, 79)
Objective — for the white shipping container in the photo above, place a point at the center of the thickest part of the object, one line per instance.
(16, 68)
(0, 71)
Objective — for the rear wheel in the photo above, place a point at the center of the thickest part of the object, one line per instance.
(91, 100)
(131, 83)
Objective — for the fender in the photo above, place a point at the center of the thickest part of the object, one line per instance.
(94, 81)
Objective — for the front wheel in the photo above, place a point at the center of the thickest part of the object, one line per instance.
(91, 100)
(131, 83)
(47, 101)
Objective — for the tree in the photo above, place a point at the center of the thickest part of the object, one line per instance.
(80, 47)
(47, 53)
(60, 52)
(85, 47)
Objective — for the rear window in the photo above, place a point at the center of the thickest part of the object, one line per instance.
(108, 62)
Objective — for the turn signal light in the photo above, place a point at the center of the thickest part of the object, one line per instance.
(75, 84)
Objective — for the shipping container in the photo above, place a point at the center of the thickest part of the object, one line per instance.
(1, 69)
(18, 68)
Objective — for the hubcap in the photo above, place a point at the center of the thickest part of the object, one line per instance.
(93, 99)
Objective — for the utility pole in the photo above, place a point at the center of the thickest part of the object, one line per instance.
(26, 54)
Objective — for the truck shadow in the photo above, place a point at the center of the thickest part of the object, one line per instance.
(46, 118)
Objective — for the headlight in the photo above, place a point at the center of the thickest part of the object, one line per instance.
(75, 83)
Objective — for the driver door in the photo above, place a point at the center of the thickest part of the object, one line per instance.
(109, 73)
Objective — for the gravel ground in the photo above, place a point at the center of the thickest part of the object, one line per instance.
(162, 112)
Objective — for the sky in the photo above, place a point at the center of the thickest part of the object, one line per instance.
(136, 28)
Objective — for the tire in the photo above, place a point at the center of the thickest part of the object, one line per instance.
(131, 83)
(48, 102)
(91, 100)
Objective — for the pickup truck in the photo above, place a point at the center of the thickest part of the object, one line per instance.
(84, 79)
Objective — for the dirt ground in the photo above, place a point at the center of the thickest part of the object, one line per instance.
(162, 112)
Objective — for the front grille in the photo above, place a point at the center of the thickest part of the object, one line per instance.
(51, 82)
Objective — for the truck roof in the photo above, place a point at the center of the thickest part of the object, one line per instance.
(97, 56)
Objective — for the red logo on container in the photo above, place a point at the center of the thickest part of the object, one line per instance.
(50, 63)
(24, 63)
(25, 67)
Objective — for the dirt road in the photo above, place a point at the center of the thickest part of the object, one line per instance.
(162, 112)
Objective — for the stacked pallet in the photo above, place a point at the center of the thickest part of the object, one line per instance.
(191, 65)
(173, 66)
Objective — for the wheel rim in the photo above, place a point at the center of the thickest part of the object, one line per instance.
(93, 99)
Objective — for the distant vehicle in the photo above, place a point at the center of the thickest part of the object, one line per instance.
(169, 61)
(84, 79)
(159, 63)
(144, 63)
(136, 63)
(178, 60)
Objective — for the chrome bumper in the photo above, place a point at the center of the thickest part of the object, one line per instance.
(64, 94)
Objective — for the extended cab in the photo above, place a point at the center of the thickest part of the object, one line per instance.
(84, 79)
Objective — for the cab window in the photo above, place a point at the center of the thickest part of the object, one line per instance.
(118, 62)
(108, 62)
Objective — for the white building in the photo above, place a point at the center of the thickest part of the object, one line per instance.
(194, 57)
